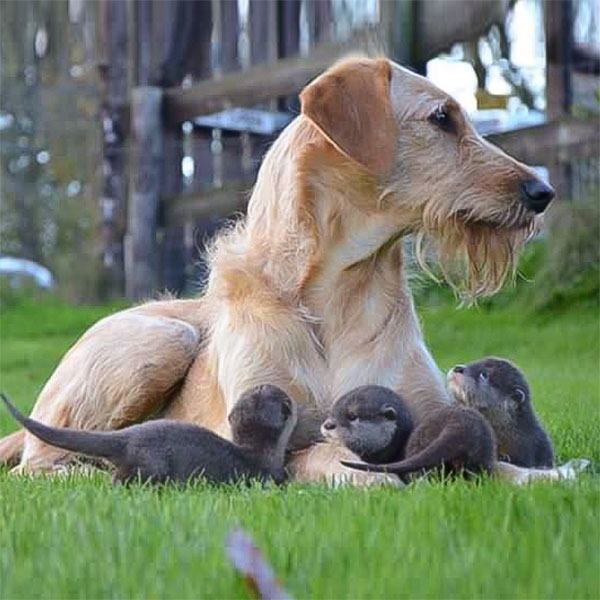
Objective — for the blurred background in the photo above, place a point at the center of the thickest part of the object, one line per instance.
(132, 130)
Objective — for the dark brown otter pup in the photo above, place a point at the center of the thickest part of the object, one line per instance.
(371, 421)
(499, 391)
(451, 437)
(165, 451)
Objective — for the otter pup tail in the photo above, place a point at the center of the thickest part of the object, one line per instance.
(92, 443)
(443, 449)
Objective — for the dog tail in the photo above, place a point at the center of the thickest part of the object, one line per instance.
(11, 448)
(444, 448)
(109, 444)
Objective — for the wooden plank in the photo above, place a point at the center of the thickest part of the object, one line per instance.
(223, 202)
(566, 140)
(542, 144)
(258, 84)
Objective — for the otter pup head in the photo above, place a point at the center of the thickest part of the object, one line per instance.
(493, 386)
(371, 421)
(263, 416)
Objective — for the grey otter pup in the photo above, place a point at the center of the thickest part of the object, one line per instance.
(454, 437)
(165, 451)
(371, 421)
(499, 391)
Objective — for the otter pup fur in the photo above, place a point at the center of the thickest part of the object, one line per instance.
(371, 421)
(164, 451)
(499, 391)
(453, 437)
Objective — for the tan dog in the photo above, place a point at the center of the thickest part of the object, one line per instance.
(310, 293)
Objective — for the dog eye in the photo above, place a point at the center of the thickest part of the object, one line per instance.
(483, 376)
(352, 417)
(441, 118)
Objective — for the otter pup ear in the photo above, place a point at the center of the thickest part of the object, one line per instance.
(520, 396)
(350, 104)
(389, 412)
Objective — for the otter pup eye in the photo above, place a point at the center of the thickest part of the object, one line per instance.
(389, 413)
(442, 119)
(352, 417)
(483, 376)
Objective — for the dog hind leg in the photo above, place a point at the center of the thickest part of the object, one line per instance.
(11, 448)
(121, 371)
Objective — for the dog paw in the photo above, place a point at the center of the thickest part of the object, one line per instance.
(572, 468)
(364, 479)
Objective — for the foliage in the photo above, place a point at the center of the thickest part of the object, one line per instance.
(570, 269)
(49, 149)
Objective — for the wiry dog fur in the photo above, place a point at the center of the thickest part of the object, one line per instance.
(310, 293)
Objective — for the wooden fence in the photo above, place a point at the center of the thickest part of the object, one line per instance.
(163, 216)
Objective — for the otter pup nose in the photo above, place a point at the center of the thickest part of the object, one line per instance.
(458, 369)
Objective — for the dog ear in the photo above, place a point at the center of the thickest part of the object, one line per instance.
(350, 104)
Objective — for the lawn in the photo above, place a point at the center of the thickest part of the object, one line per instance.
(80, 537)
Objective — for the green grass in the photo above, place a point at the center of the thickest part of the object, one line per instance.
(80, 537)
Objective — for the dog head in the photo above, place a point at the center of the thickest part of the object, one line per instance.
(470, 205)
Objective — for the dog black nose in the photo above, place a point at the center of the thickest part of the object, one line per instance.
(459, 369)
(329, 424)
(535, 194)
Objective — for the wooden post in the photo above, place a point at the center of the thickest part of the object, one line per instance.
(399, 18)
(559, 35)
(173, 257)
(185, 30)
(289, 27)
(141, 252)
(263, 31)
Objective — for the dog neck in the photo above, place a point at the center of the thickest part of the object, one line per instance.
(314, 219)
(320, 247)
(327, 243)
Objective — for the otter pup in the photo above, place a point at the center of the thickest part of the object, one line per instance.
(454, 437)
(164, 451)
(499, 391)
(371, 421)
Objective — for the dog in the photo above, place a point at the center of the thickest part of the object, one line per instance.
(310, 292)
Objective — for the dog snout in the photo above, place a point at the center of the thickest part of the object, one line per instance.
(458, 369)
(535, 194)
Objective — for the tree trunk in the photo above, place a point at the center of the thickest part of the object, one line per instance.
(112, 67)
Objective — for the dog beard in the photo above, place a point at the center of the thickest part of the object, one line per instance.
(475, 258)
